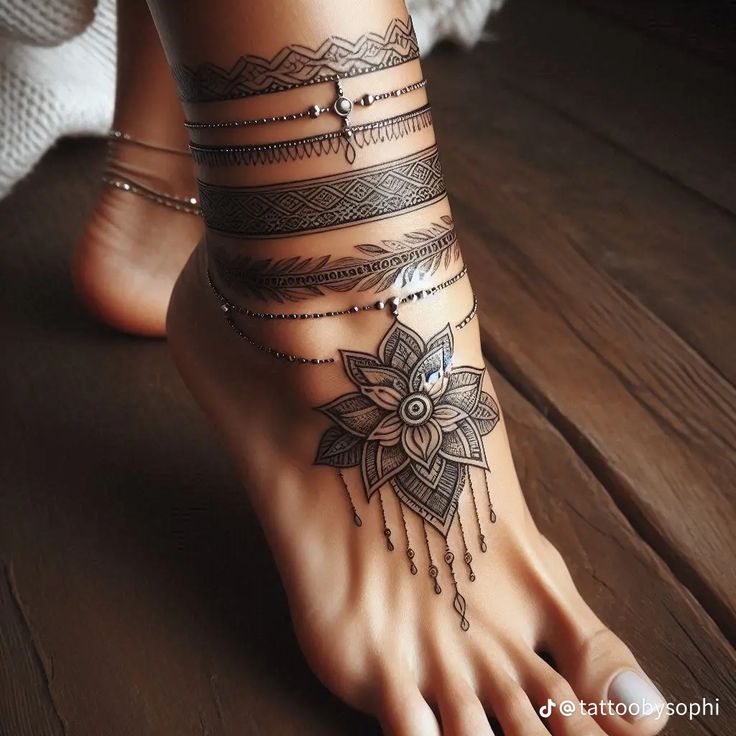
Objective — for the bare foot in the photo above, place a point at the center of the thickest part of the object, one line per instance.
(372, 622)
(133, 248)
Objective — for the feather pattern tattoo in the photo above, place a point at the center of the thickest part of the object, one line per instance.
(380, 266)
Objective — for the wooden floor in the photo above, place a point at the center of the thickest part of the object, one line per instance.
(590, 149)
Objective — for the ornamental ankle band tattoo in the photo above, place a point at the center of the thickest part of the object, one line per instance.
(334, 141)
(342, 107)
(326, 203)
(415, 423)
(298, 66)
(390, 263)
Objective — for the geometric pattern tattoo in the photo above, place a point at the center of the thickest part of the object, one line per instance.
(415, 423)
(298, 66)
(380, 266)
(326, 203)
(347, 139)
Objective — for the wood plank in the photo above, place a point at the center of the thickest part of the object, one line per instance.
(647, 412)
(656, 101)
(674, 253)
(704, 29)
(26, 707)
(141, 568)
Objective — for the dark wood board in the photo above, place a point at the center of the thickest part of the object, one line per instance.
(704, 29)
(26, 707)
(651, 99)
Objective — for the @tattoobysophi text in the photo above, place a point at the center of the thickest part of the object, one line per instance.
(631, 711)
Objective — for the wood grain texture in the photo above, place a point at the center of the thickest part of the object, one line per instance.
(651, 99)
(26, 707)
(706, 30)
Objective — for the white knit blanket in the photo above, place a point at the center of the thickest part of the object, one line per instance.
(57, 68)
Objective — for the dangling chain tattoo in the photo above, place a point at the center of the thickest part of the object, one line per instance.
(409, 549)
(356, 517)
(325, 203)
(492, 512)
(481, 537)
(432, 569)
(467, 556)
(345, 140)
(298, 66)
(380, 266)
(415, 423)
(386, 529)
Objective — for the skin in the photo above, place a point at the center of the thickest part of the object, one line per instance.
(132, 250)
(374, 634)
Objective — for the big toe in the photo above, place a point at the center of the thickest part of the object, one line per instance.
(605, 674)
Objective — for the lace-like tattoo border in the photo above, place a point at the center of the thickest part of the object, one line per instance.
(380, 266)
(327, 203)
(298, 66)
(346, 140)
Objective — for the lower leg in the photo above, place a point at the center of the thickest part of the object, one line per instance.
(419, 586)
(136, 242)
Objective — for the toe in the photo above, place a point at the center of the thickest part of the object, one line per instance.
(600, 667)
(461, 711)
(406, 713)
(510, 705)
(558, 702)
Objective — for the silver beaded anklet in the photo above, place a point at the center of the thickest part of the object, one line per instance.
(119, 136)
(189, 205)
(342, 107)
(393, 304)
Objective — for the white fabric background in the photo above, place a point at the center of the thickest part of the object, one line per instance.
(57, 68)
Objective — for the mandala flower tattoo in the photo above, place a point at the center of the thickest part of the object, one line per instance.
(415, 423)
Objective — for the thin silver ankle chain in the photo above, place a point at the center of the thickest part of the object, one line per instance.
(393, 304)
(342, 107)
(189, 205)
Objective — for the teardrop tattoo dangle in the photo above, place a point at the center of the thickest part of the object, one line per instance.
(467, 556)
(433, 571)
(356, 517)
(481, 537)
(409, 550)
(386, 530)
(415, 424)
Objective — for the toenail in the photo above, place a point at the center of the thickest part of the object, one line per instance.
(636, 693)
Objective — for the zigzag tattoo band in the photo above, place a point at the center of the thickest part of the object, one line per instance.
(298, 66)
(381, 266)
(326, 203)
